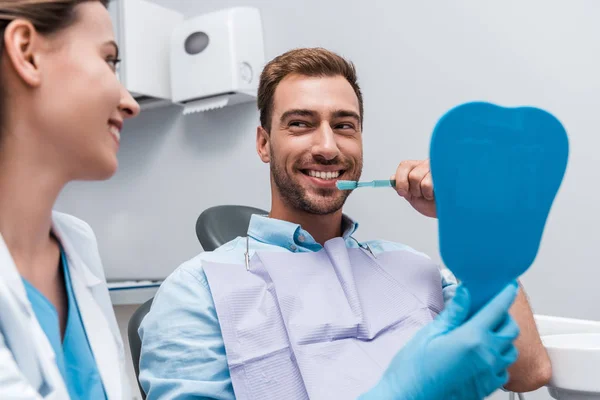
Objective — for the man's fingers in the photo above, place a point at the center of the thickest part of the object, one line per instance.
(402, 172)
(413, 179)
(415, 176)
(427, 187)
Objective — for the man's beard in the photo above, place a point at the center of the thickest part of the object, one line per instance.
(296, 196)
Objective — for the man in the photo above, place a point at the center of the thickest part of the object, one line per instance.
(311, 298)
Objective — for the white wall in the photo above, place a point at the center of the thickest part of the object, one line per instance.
(415, 60)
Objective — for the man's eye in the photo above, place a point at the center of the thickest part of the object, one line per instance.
(298, 124)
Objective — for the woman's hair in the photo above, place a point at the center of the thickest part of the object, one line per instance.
(47, 16)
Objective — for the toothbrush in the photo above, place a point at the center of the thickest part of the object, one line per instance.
(350, 185)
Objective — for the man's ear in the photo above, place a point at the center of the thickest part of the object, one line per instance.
(22, 45)
(263, 147)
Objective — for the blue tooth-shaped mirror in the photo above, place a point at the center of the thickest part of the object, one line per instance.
(496, 172)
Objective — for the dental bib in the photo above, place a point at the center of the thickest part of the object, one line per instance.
(496, 172)
(320, 325)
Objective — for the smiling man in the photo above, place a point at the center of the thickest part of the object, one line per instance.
(309, 312)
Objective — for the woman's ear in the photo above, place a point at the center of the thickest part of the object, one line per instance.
(22, 46)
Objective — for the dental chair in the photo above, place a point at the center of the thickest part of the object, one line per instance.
(221, 224)
(214, 227)
(135, 344)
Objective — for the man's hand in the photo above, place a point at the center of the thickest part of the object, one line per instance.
(414, 183)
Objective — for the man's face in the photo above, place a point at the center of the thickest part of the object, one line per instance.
(315, 140)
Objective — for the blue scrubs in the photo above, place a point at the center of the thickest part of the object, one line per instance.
(73, 354)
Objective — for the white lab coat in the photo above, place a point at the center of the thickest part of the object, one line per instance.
(27, 364)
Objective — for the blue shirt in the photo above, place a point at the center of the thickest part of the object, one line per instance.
(183, 354)
(73, 354)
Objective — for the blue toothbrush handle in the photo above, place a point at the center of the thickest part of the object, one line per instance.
(351, 185)
(385, 183)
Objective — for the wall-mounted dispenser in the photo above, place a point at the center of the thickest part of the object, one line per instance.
(216, 59)
(143, 31)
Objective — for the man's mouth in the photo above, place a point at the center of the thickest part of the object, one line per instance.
(325, 175)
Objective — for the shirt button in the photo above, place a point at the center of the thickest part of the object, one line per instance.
(301, 238)
(293, 247)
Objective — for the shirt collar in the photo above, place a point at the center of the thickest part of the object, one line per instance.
(289, 235)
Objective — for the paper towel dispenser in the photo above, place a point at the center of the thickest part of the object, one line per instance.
(143, 31)
(216, 59)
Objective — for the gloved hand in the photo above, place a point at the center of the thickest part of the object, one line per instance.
(452, 357)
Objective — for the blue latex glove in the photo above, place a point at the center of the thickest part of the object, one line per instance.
(452, 357)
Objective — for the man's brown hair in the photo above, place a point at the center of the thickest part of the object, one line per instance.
(313, 62)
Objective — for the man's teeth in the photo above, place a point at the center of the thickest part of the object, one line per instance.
(115, 132)
(324, 175)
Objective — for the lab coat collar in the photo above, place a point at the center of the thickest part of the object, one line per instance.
(74, 260)
(10, 275)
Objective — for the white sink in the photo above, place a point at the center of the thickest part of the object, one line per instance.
(575, 361)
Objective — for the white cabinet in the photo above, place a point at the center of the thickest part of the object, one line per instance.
(143, 31)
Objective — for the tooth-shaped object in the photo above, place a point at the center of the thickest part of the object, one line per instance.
(496, 172)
